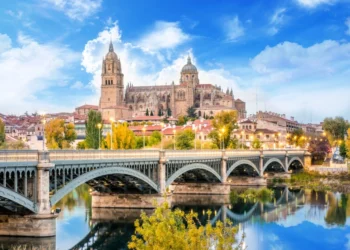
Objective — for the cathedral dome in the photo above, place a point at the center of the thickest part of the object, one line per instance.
(111, 54)
(189, 67)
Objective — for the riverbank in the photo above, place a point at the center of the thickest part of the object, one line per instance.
(316, 181)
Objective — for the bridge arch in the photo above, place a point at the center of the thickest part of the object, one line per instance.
(241, 162)
(98, 173)
(271, 161)
(295, 158)
(242, 217)
(189, 167)
(17, 198)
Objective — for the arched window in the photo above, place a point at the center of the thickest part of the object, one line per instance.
(111, 82)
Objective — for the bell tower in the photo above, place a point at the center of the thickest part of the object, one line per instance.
(112, 85)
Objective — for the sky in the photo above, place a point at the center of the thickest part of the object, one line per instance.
(287, 56)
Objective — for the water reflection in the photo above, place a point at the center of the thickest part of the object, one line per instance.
(293, 219)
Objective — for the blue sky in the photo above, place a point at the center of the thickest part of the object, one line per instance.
(290, 57)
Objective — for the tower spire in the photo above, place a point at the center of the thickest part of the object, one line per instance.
(189, 59)
(111, 49)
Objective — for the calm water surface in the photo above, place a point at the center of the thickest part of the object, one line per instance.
(295, 219)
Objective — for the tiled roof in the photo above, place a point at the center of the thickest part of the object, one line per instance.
(88, 106)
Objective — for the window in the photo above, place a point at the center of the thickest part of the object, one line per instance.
(267, 136)
(111, 82)
(247, 137)
(106, 82)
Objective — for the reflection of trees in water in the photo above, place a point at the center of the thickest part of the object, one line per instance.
(337, 210)
(80, 196)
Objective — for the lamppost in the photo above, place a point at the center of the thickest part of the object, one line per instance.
(174, 139)
(112, 121)
(223, 138)
(44, 123)
(220, 140)
(161, 135)
(144, 130)
(201, 140)
(195, 144)
(99, 135)
(242, 134)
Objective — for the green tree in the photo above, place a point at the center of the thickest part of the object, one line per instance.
(155, 138)
(347, 143)
(181, 120)
(151, 114)
(159, 112)
(93, 133)
(343, 151)
(169, 112)
(123, 137)
(147, 113)
(2, 132)
(297, 138)
(335, 129)
(59, 135)
(81, 145)
(223, 123)
(167, 229)
(191, 113)
(184, 139)
(256, 143)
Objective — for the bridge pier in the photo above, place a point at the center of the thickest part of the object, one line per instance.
(43, 188)
(261, 164)
(161, 172)
(223, 169)
(307, 160)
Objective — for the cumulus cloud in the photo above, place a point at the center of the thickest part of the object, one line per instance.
(76, 9)
(77, 85)
(164, 35)
(28, 70)
(290, 73)
(233, 28)
(314, 3)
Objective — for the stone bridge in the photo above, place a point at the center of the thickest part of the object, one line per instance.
(33, 181)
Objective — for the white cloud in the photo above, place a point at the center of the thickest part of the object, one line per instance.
(77, 85)
(233, 28)
(277, 20)
(347, 23)
(76, 9)
(314, 3)
(164, 35)
(17, 15)
(291, 73)
(29, 70)
(5, 42)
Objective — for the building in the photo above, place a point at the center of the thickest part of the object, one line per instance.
(121, 103)
(279, 119)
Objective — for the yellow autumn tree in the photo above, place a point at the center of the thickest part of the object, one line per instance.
(347, 144)
(123, 137)
(167, 229)
(59, 135)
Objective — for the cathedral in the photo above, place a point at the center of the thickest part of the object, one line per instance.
(171, 100)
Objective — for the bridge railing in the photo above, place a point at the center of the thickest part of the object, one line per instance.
(296, 152)
(192, 153)
(62, 155)
(232, 153)
(18, 155)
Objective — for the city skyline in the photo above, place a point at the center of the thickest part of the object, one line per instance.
(291, 57)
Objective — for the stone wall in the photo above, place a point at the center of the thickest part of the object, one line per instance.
(246, 181)
(199, 188)
(29, 225)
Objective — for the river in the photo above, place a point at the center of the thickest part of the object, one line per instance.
(294, 219)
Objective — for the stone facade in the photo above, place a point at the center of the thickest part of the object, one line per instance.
(172, 99)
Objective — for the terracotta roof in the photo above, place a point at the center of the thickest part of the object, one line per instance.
(146, 118)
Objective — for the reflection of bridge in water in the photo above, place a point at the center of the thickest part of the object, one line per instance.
(108, 223)
(33, 181)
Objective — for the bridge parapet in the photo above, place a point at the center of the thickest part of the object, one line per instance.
(18, 156)
(240, 153)
(62, 155)
(193, 153)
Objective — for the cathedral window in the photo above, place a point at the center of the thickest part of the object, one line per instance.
(106, 82)
(111, 82)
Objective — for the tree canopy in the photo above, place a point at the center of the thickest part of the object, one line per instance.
(335, 129)
(191, 112)
(223, 123)
(123, 137)
(167, 229)
(2, 132)
(347, 144)
(184, 139)
(59, 135)
(297, 138)
(93, 132)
